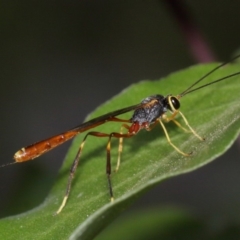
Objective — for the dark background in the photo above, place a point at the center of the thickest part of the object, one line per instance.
(61, 59)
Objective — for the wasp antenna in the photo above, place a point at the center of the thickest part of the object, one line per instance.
(218, 80)
(206, 75)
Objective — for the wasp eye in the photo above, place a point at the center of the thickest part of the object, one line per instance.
(174, 103)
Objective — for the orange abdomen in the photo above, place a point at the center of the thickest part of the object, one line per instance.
(32, 151)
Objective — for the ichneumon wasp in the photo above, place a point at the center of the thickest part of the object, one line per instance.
(150, 112)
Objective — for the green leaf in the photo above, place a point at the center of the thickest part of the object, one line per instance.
(147, 159)
(168, 223)
(158, 223)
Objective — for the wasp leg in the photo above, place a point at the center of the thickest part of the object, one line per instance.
(170, 142)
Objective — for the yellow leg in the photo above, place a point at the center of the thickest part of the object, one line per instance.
(172, 118)
(70, 178)
(191, 129)
(168, 119)
(120, 146)
(170, 142)
(62, 205)
(120, 149)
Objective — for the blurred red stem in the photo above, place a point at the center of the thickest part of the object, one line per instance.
(198, 45)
